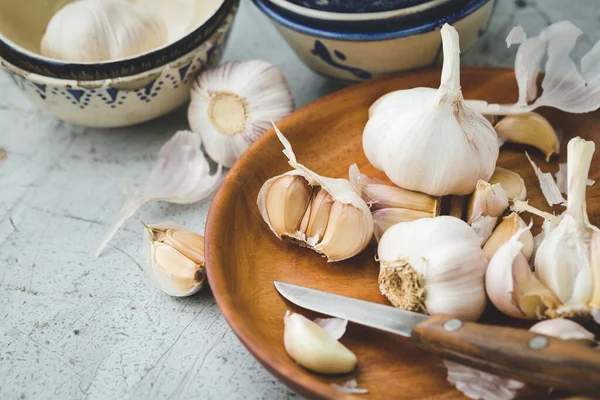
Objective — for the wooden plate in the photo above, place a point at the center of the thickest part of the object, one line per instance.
(243, 256)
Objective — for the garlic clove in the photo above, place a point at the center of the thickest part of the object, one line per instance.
(385, 218)
(335, 222)
(102, 30)
(511, 182)
(232, 105)
(563, 329)
(529, 129)
(504, 231)
(314, 348)
(458, 205)
(287, 199)
(487, 200)
(175, 258)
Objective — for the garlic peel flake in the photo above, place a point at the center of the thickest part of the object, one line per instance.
(181, 176)
(350, 387)
(563, 329)
(549, 187)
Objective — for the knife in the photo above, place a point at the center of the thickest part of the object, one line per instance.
(513, 353)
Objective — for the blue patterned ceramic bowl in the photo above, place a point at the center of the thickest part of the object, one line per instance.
(356, 56)
(21, 30)
(125, 100)
(356, 6)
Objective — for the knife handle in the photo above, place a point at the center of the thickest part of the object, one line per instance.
(513, 353)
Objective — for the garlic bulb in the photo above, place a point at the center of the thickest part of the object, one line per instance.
(568, 260)
(511, 285)
(428, 140)
(315, 348)
(487, 200)
(102, 30)
(232, 106)
(504, 231)
(433, 265)
(323, 214)
(175, 258)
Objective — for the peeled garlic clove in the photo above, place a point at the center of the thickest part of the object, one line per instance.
(102, 30)
(504, 231)
(433, 265)
(232, 105)
(511, 285)
(530, 129)
(487, 200)
(511, 182)
(324, 214)
(175, 258)
(455, 145)
(385, 218)
(563, 329)
(314, 348)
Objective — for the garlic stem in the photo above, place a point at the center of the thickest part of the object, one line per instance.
(520, 206)
(580, 152)
(450, 82)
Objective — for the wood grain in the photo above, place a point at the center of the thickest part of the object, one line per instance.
(243, 257)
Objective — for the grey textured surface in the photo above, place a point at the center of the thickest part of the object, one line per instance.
(76, 327)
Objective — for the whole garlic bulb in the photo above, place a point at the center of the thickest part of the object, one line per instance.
(175, 258)
(435, 266)
(232, 106)
(428, 140)
(102, 30)
(324, 214)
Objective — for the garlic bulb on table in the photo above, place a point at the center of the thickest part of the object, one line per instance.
(435, 266)
(428, 140)
(323, 214)
(232, 106)
(174, 258)
(102, 30)
(568, 259)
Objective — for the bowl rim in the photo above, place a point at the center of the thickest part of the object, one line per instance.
(36, 78)
(430, 26)
(369, 16)
(204, 31)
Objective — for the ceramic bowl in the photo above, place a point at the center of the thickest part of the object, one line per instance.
(189, 24)
(125, 100)
(356, 56)
(367, 10)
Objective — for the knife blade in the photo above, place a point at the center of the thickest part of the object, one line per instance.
(572, 365)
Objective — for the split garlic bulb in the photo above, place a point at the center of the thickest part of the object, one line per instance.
(323, 214)
(568, 259)
(429, 140)
(435, 266)
(175, 258)
(102, 30)
(232, 106)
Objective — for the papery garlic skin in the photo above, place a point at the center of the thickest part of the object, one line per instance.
(511, 182)
(429, 140)
(102, 30)
(174, 258)
(563, 260)
(324, 214)
(433, 265)
(314, 348)
(563, 329)
(232, 106)
(487, 200)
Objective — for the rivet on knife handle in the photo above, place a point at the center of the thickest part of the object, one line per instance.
(515, 353)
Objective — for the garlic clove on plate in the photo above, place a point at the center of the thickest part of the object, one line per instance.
(102, 30)
(410, 133)
(511, 285)
(435, 266)
(314, 348)
(175, 258)
(323, 214)
(385, 218)
(487, 200)
(232, 106)
(530, 129)
(511, 182)
(509, 226)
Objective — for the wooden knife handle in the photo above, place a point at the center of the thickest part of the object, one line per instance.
(513, 353)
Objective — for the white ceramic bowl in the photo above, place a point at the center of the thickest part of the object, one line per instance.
(126, 100)
(364, 55)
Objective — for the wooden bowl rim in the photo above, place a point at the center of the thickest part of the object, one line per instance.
(218, 283)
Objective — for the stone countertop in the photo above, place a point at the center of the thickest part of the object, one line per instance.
(76, 327)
